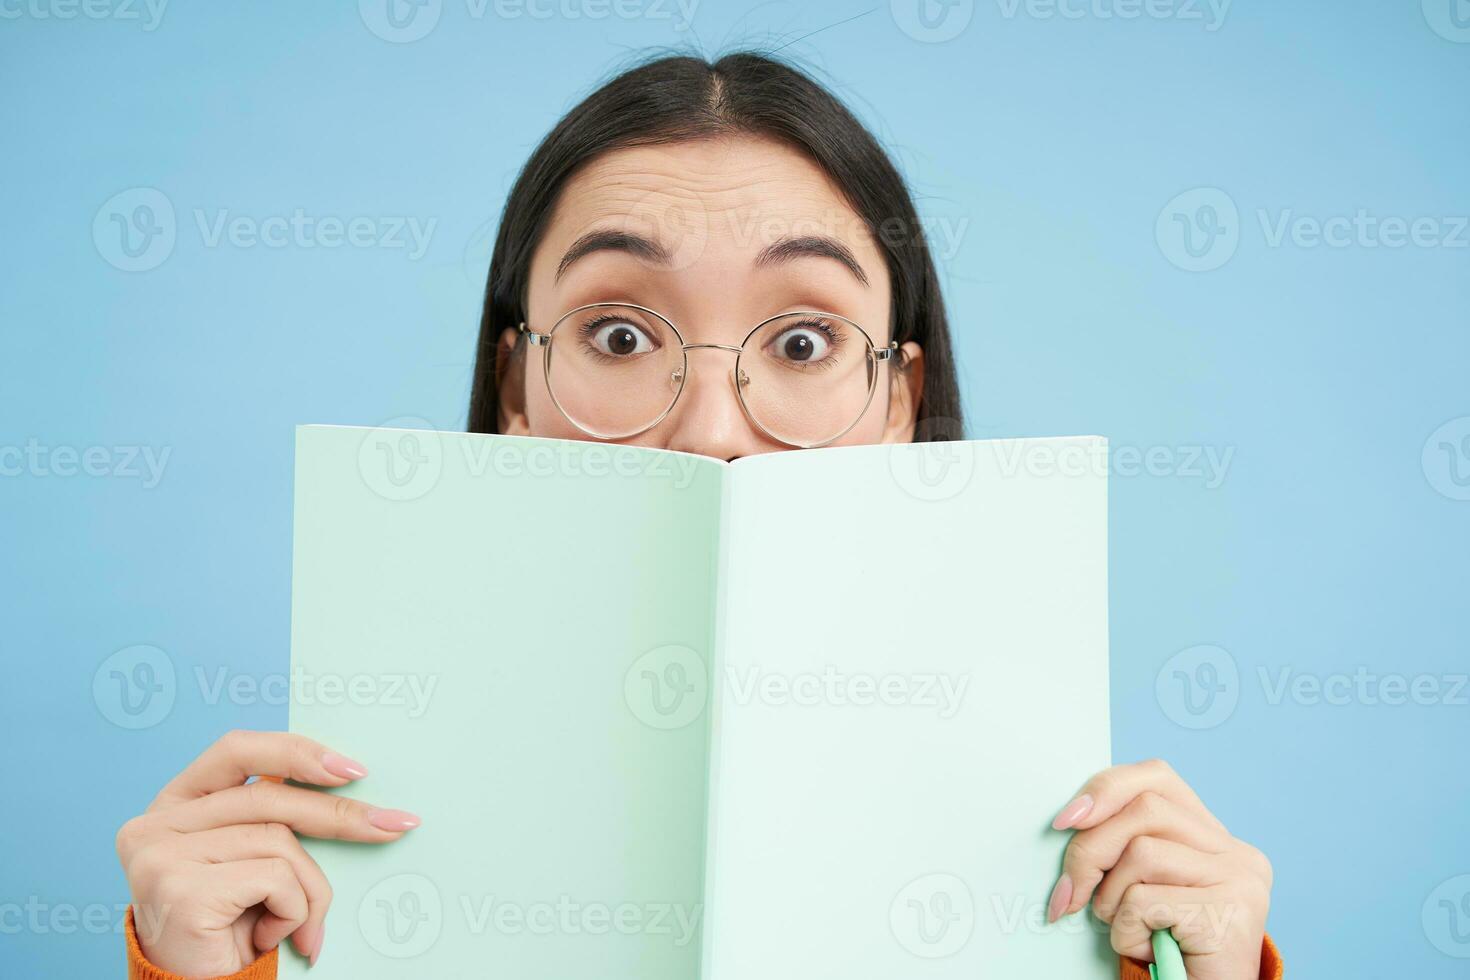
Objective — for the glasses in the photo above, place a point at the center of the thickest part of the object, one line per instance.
(616, 370)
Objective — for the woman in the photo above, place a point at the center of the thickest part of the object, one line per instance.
(722, 196)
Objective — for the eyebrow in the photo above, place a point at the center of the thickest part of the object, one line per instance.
(613, 240)
(779, 252)
(814, 246)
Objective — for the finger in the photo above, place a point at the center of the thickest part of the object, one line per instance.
(1091, 853)
(306, 811)
(1196, 917)
(1108, 792)
(270, 882)
(238, 755)
(1155, 861)
(1145, 908)
(267, 840)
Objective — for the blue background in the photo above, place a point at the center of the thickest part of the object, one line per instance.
(1049, 144)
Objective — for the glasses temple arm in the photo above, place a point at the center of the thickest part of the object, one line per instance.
(535, 339)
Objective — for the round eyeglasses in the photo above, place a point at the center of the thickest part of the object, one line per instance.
(615, 371)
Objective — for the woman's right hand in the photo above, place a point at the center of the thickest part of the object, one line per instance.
(216, 873)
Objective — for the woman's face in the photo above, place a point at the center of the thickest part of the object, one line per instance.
(716, 236)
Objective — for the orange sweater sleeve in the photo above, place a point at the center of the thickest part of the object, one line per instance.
(1271, 968)
(140, 969)
(265, 967)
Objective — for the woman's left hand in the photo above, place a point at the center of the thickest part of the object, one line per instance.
(1149, 855)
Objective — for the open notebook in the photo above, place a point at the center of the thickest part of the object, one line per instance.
(804, 715)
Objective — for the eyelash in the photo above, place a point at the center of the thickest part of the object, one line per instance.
(586, 331)
(835, 340)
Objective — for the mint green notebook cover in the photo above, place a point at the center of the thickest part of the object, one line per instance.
(806, 714)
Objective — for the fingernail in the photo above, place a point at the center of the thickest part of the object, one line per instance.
(1073, 812)
(340, 765)
(393, 821)
(1061, 897)
(321, 937)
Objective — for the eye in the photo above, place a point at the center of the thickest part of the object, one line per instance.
(803, 343)
(618, 338)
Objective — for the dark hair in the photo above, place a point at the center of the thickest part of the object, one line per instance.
(680, 98)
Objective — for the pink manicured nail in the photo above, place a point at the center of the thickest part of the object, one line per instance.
(1061, 897)
(320, 938)
(1073, 812)
(340, 765)
(393, 821)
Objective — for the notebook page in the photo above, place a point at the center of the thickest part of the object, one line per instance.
(913, 679)
(525, 624)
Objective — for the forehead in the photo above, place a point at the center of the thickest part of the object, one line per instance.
(711, 201)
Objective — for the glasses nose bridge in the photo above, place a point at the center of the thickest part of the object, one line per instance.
(680, 373)
(728, 347)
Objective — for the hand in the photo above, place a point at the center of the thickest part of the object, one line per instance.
(216, 874)
(1148, 855)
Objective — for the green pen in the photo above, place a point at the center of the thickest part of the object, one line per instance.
(1168, 962)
